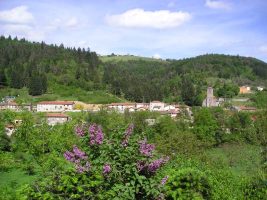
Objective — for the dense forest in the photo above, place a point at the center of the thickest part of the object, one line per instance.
(26, 64)
(39, 67)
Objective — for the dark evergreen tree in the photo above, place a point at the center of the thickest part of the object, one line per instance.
(188, 92)
(3, 79)
(37, 85)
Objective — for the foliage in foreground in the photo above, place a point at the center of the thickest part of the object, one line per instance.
(120, 165)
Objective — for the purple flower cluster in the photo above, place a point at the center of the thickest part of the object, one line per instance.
(127, 135)
(106, 169)
(164, 180)
(78, 157)
(151, 167)
(79, 130)
(145, 148)
(155, 165)
(82, 168)
(96, 134)
(79, 153)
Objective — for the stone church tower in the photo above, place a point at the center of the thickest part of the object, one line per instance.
(210, 100)
(209, 96)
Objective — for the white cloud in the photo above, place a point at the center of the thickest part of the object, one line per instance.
(156, 56)
(138, 18)
(218, 5)
(60, 23)
(17, 15)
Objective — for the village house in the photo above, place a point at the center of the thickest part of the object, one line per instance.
(259, 88)
(56, 118)
(9, 105)
(210, 100)
(170, 107)
(171, 113)
(244, 89)
(142, 105)
(15, 107)
(156, 106)
(122, 107)
(55, 106)
(8, 99)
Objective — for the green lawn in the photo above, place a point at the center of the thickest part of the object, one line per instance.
(127, 58)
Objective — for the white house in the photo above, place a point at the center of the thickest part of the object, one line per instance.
(12, 106)
(55, 106)
(169, 107)
(56, 118)
(15, 107)
(122, 107)
(259, 88)
(156, 106)
(142, 105)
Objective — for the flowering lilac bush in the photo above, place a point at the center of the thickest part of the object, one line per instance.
(145, 148)
(120, 164)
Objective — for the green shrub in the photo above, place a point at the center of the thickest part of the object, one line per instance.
(188, 183)
(118, 165)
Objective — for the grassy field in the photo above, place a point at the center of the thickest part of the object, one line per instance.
(240, 159)
(61, 92)
(127, 58)
(11, 181)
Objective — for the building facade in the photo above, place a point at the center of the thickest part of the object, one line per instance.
(210, 100)
(56, 118)
(55, 106)
(244, 90)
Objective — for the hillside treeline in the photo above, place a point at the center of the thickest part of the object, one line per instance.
(26, 64)
(38, 66)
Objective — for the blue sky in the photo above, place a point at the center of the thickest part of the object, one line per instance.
(160, 28)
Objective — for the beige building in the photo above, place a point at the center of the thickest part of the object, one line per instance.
(156, 106)
(55, 106)
(244, 90)
(122, 107)
(56, 118)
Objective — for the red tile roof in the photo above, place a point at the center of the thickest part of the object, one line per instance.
(56, 102)
(58, 115)
(247, 108)
(12, 103)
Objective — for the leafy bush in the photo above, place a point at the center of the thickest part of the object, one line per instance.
(7, 161)
(188, 183)
(118, 165)
(256, 190)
